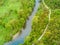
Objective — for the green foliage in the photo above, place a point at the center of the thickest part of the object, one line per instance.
(52, 36)
(53, 4)
(39, 23)
(13, 15)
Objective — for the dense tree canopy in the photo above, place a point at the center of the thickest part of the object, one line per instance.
(39, 22)
(13, 15)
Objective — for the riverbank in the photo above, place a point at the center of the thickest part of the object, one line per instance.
(27, 30)
(15, 36)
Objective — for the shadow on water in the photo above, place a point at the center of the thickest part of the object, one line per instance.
(27, 30)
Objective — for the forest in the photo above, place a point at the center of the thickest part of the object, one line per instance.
(13, 16)
(39, 22)
(15, 13)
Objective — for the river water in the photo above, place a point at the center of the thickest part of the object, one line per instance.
(25, 32)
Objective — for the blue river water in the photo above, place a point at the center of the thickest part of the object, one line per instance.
(27, 30)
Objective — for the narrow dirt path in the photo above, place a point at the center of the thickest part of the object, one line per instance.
(48, 22)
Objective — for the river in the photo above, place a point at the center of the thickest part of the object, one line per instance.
(25, 32)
